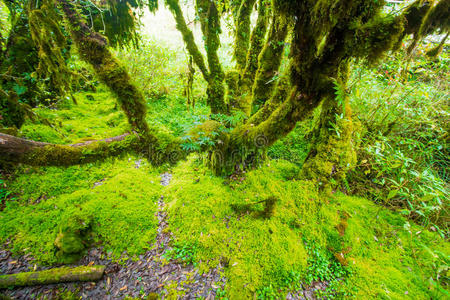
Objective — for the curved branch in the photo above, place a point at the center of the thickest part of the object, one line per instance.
(269, 60)
(278, 124)
(256, 44)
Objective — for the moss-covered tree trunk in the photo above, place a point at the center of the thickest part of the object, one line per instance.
(18, 150)
(332, 152)
(242, 37)
(210, 24)
(269, 61)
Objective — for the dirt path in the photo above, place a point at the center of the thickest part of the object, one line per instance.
(146, 276)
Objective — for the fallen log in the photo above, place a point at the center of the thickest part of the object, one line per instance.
(57, 275)
(18, 150)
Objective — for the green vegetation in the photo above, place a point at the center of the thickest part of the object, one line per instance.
(313, 159)
(110, 203)
(302, 237)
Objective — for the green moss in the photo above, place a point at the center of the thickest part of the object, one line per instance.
(383, 259)
(254, 250)
(269, 60)
(119, 212)
(242, 37)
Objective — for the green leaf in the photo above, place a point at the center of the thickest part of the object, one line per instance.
(19, 89)
(392, 194)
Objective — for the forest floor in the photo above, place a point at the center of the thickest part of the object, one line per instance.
(147, 275)
(200, 234)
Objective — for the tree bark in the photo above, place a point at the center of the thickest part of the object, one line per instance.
(57, 275)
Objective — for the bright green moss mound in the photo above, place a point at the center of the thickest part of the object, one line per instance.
(119, 213)
(223, 223)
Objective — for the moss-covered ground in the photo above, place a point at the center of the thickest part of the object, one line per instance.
(266, 247)
(306, 237)
(271, 233)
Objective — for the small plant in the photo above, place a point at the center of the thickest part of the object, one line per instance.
(185, 253)
(221, 294)
(323, 266)
(268, 293)
(4, 194)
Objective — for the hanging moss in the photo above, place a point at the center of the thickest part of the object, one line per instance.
(19, 57)
(376, 37)
(11, 112)
(437, 17)
(93, 49)
(50, 42)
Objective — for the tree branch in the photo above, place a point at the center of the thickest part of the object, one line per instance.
(93, 49)
(188, 37)
(57, 275)
(18, 150)
(241, 42)
(269, 60)
(256, 45)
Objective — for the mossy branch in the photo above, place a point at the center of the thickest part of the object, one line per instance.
(57, 275)
(256, 44)
(17, 150)
(93, 49)
(210, 24)
(242, 37)
(188, 37)
(275, 125)
(269, 60)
